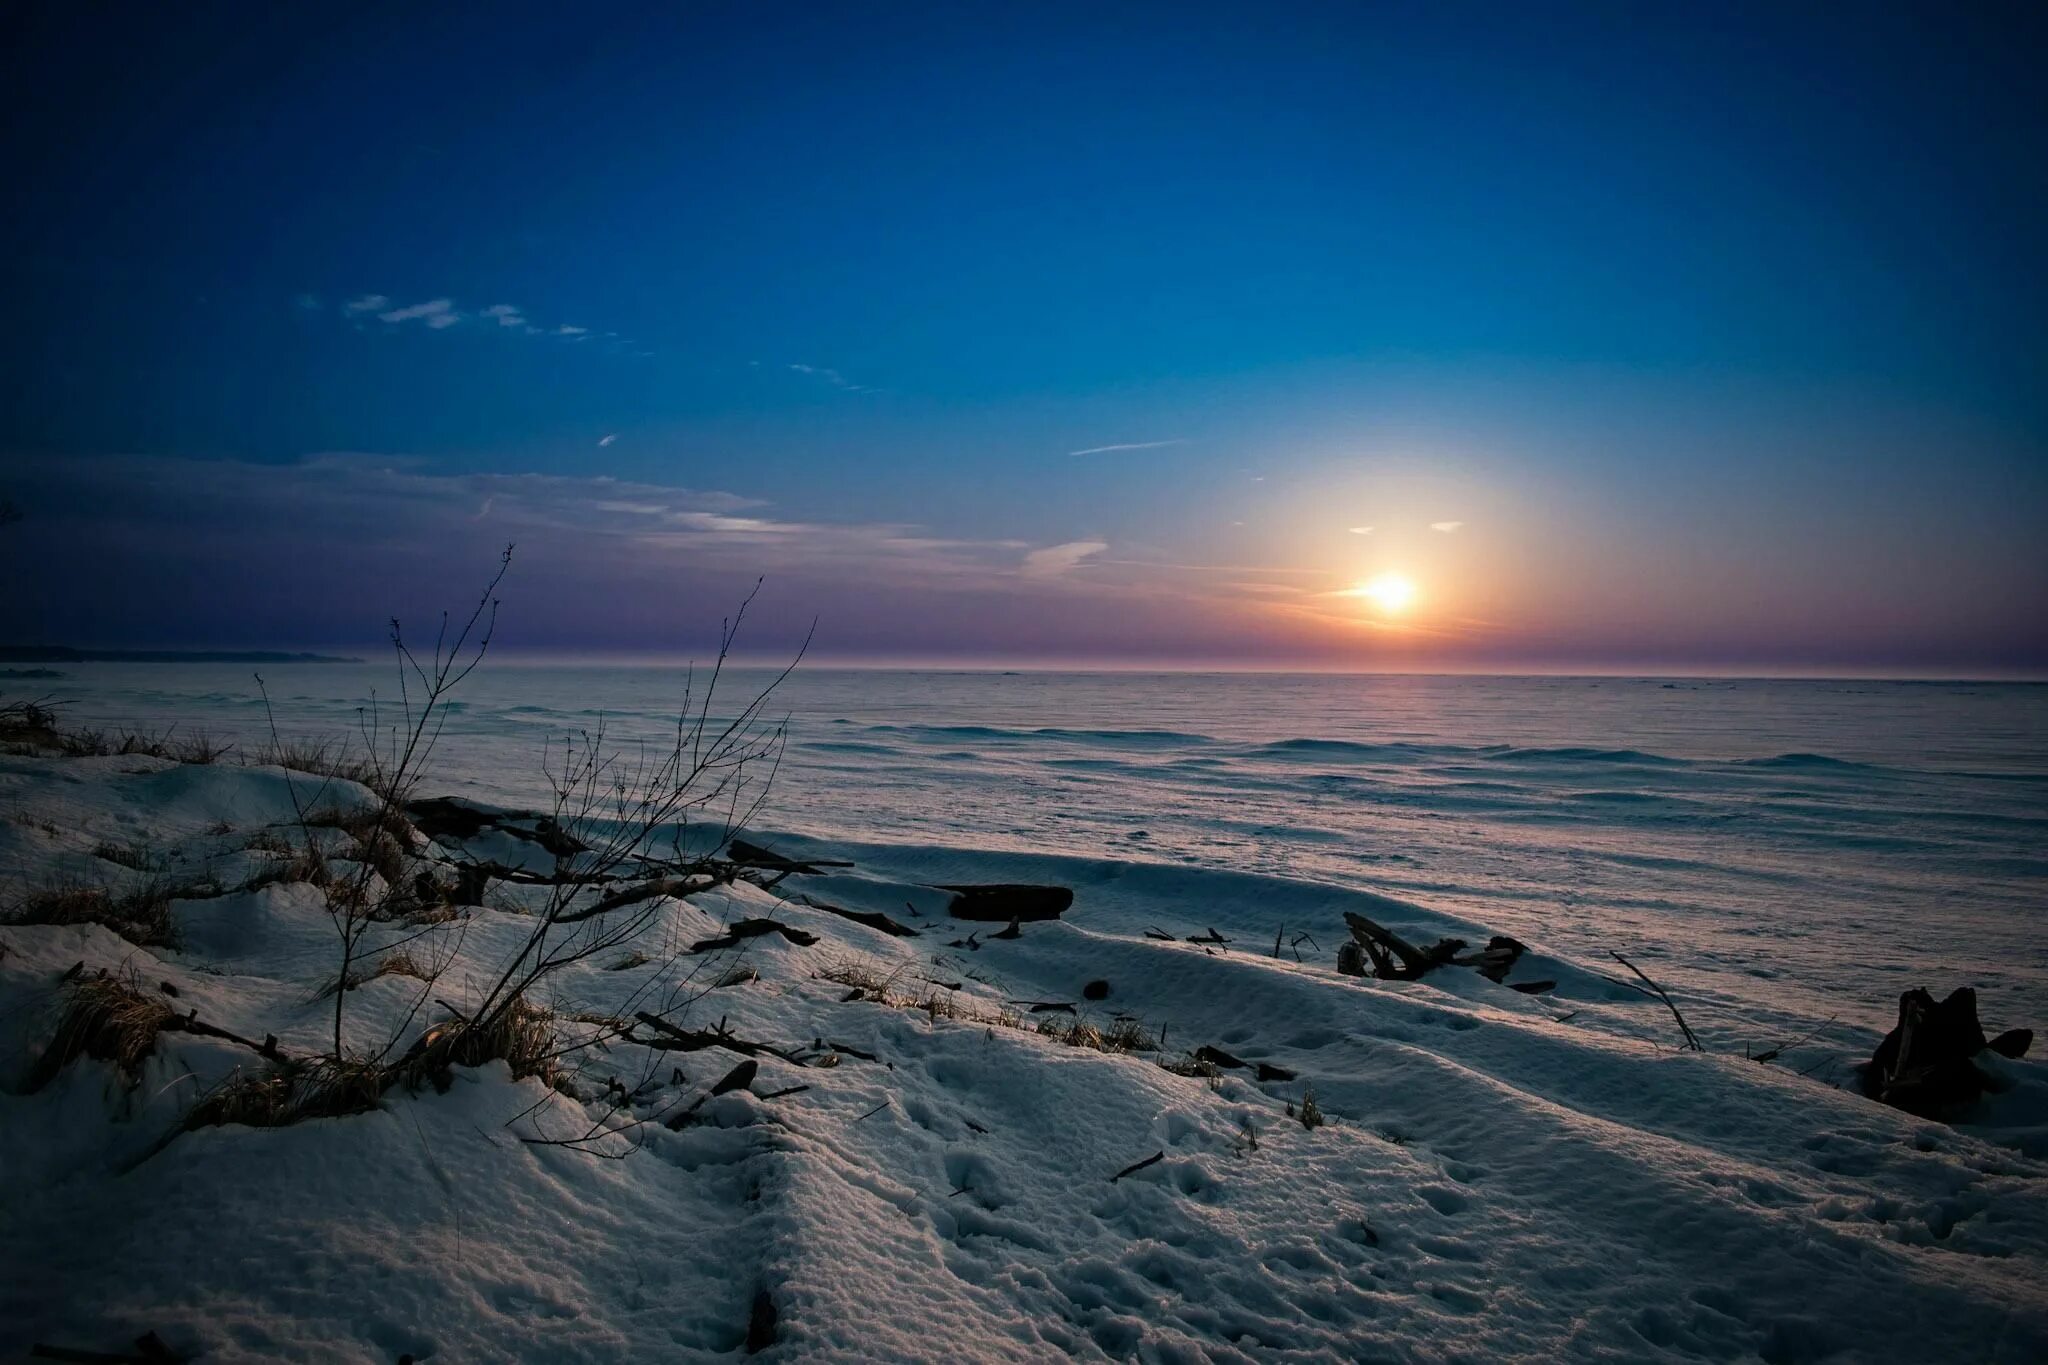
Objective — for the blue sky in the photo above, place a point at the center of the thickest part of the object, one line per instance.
(1721, 336)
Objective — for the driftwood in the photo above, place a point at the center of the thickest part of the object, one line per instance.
(1136, 1166)
(873, 919)
(149, 1350)
(436, 816)
(1494, 962)
(675, 1039)
(753, 855)
(1008, 903)
(1925, 1064)
(1265, 1071)
(740, 930)
(1393, 957)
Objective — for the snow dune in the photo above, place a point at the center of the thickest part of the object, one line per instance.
(1501, 1175)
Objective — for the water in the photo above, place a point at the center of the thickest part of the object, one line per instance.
(1772, 848)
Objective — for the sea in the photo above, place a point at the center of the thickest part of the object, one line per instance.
(1785, 848)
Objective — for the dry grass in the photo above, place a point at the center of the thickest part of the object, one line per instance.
(29, 727)
(319, 759)
(136, 856)
(109, 1018)
(397, 962)
(142, 916)
(1122, 1036)
(1311, 1112)
(322, 1088)
(86, 742)
(523, 1036)
(306, 864)
(270, 841)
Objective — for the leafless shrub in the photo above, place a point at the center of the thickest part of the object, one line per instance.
(1311, 1112)
(110, 1018)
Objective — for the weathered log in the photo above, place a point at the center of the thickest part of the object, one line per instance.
(1393, 957)
(1006, 903)
(2013, 1043)
(1925, 1064)
(739, 1078)
(762, 1323)
(1497, 959)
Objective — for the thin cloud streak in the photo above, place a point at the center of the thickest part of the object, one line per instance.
(1128, 445)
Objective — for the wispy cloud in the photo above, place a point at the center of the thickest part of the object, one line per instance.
(440, 314)
(832, 377)
(436, 313)
(1359, 530)
(1055, 560)
(1446, 526)
(1128, 445)
(608, 438)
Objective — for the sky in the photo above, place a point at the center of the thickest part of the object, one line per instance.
(1610, 337)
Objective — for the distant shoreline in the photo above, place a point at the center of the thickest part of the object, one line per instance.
(64, 654)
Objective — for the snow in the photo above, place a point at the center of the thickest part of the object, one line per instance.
(1501, 1175)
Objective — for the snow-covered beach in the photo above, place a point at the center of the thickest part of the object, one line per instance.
(921, 1166)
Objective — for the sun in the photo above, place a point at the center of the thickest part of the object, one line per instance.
(1392, 593)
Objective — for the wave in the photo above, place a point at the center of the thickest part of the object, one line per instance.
(1494, 753)
(954, 732)
(1820, 762)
